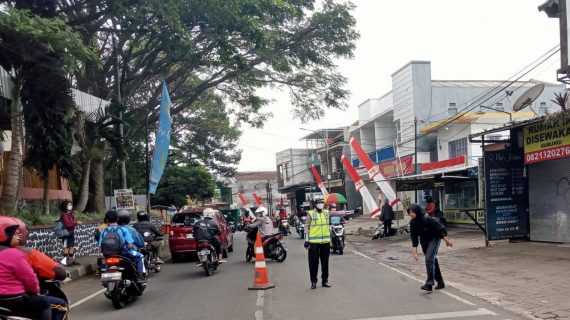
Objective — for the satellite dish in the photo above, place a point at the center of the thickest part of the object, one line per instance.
(527, 98)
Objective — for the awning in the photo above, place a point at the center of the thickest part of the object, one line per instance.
(433, 174)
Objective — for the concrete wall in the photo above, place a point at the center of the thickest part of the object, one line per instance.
(297, 159)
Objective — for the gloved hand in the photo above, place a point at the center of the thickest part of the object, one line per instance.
(306, 244)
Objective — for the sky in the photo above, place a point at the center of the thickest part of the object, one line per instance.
(464, 40)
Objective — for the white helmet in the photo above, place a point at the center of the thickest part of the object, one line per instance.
(209, 213)
(261, 210)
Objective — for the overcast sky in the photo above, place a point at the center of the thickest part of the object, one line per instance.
(464, 40)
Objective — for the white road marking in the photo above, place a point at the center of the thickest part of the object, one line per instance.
(413, 278)
(86, 299)
(260, 295)
(259, 315)
(440, 315)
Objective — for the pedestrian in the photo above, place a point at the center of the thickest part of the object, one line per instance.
(430, 233)
(386, 216)
(318, 241)
(430, 206)
(68, 218)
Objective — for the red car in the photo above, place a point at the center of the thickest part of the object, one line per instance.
(181, 239)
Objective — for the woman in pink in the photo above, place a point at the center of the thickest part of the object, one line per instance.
(19, 286)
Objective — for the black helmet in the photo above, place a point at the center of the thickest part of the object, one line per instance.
(142, 216)
(428, 198)
(124, 217)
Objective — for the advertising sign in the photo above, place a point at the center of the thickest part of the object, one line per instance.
(546, 141)
(506, 195)
(124, 199)
(397, 167)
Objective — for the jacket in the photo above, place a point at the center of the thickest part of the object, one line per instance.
(68, 220)
(147, 230)
(138, 240)
(205, 229)
(426, 228)
(265, 225)
(16, 274)
(43, 265)
(387, 212)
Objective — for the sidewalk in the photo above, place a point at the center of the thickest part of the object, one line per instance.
(528, 278)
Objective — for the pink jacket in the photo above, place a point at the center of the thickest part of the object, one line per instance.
(16, 274)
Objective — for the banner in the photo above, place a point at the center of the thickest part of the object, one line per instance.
(547, 141)
(374, 173)
(162, 141)
(257, 199)
(124, 199)
(319, 181)
(360, 187)
(397, 167)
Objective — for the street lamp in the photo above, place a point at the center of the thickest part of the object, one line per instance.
(328, 158)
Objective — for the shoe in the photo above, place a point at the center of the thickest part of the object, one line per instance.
(199, 264)
(159, 261)
(326, 285)
(426, 287)
(222, 261)
(440, 286)
(313, 285)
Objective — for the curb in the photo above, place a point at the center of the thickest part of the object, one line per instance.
(81, 271)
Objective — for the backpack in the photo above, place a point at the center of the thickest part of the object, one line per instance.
(112, 243)
(59, 229)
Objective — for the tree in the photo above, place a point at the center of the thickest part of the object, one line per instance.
(180, 181)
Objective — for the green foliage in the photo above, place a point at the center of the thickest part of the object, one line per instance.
(35, 217)
(179, 181)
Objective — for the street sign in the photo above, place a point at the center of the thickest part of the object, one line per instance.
(124, 199)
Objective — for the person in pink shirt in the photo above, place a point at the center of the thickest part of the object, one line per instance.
(19, 286)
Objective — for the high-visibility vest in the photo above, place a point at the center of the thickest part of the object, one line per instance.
(319, 231)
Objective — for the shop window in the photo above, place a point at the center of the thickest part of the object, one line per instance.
(542, 111)
(287, 171)
(457, 148)
(452, 109)
(461, 194)
(398, 132)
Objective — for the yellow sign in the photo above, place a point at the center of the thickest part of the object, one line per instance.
(547, 141)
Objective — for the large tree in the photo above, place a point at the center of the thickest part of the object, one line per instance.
(180, 181)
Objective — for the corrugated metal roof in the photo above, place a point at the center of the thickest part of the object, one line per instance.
(483, 83)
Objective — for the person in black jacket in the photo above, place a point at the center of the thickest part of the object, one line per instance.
(149, 233)
(430, 233)
(386, 216)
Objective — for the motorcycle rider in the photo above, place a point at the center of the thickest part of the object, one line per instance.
(129, 248)
(143, 226)
(263, 222)
(207, 229)
(19, 285)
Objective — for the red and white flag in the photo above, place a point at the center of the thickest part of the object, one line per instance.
(360, 187)
(319, 181)
(244, 203)
(374, 173)
(257, 199)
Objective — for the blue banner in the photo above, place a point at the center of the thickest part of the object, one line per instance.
(162, 141)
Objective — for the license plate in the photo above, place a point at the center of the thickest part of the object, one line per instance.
(189, 236)
(113, 276)
(204, 252)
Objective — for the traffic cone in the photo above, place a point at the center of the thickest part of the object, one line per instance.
(260, 278)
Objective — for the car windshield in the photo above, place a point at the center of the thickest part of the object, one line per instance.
(185, 219)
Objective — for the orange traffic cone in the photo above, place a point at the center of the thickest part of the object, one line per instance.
(260, 279)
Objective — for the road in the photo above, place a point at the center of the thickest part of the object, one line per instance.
(362, 289)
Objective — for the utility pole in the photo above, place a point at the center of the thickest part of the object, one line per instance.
(122, 167)
(416, 155)
(147, 164)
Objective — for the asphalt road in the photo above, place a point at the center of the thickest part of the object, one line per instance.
(362, 289)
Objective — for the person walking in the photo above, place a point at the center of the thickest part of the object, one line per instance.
(430, 206)
(386, 216)
(430, 233)
(68, 218)
(318, 241)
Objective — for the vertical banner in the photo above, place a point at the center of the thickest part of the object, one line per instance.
(374, 173)
(360, 187)
(162, 141)
(319, 180)
(257, 199)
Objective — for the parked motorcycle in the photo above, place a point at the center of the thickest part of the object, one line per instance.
(47, 288)
(284, 227)
(207, 256)
(150, 257)
(379, 233)
(119, 277)
(273, 246)
(337, 234)
(301, 226)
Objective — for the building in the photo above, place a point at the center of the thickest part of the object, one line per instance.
(294, 179)
(418, 132)
(263, 183)
(32, 185)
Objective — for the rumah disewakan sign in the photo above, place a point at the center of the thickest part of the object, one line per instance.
(547, 141)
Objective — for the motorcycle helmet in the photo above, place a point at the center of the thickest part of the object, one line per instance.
(8, 227)
(262, 211)
(209, 213)
(142, 216)
(428, 198)
(318, 199)
(124, 217)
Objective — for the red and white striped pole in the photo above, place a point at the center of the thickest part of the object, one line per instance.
(360, 187)
(319, 180)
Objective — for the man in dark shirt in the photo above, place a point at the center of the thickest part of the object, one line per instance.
(207, 229)
(386, 216)
(430, 233)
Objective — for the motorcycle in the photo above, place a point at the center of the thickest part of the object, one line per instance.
(119, 277)
(301, 226)
(273, 246)
(337, 234)
(284, 227)
(150, 256)
(47, 288)
(379, 233)
(207, 257)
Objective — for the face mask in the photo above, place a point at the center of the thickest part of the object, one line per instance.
(320, 206)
